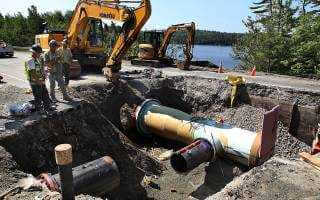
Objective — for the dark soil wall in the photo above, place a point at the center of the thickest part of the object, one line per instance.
(92, 136)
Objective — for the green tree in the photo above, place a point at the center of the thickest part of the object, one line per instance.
(306, 45)
(20, 30)
(68, 16)
(266, 46)
(34, 20)
(1, 20)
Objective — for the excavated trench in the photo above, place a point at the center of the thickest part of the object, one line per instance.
(96, 126)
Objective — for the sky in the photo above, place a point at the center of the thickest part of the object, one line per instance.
(217, 15)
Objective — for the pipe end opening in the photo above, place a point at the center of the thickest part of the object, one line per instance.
(178, 163)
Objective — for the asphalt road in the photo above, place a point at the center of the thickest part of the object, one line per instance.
(13, 71)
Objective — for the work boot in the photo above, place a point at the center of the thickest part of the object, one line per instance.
(66, 82)
(67, 98)
(49, 108)
(54, 99)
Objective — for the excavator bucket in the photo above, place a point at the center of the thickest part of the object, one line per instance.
(183, 65)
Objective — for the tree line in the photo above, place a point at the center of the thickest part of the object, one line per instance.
(283, 37)
(20, 30)
(207, 37)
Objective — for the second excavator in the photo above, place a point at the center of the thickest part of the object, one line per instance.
(154, 51)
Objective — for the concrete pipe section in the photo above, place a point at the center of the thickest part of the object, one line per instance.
(207, 138)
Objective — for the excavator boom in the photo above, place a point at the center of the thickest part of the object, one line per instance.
(188, 27)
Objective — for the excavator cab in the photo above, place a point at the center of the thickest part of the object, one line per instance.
(96, 34)
(154, 38)
(89, 45)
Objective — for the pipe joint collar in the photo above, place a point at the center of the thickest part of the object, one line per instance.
(142, 111)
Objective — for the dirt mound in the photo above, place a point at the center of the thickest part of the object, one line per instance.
(276, 179)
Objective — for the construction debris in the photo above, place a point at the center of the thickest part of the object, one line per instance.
(166, 155)
(23, 184)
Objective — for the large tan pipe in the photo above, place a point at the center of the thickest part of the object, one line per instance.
(169, 127)
(246, 147)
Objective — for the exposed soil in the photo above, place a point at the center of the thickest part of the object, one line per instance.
(94, 127)
(276, 179)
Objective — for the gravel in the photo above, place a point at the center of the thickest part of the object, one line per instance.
(288, 146)
(276, 179)
(245, 116)
(9, 95)
(251, 118)
(195, 96)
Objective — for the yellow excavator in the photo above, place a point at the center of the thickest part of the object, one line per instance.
(86, 32)
(154, 52)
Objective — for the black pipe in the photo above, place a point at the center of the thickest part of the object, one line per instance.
(192, 156)
(65, 173)
(95, 178)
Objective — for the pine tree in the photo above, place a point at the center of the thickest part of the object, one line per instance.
(266, 44)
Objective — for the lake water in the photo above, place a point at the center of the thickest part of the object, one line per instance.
(214, 54)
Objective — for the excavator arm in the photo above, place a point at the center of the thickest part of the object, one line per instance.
(114, 10)
(189, 28)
